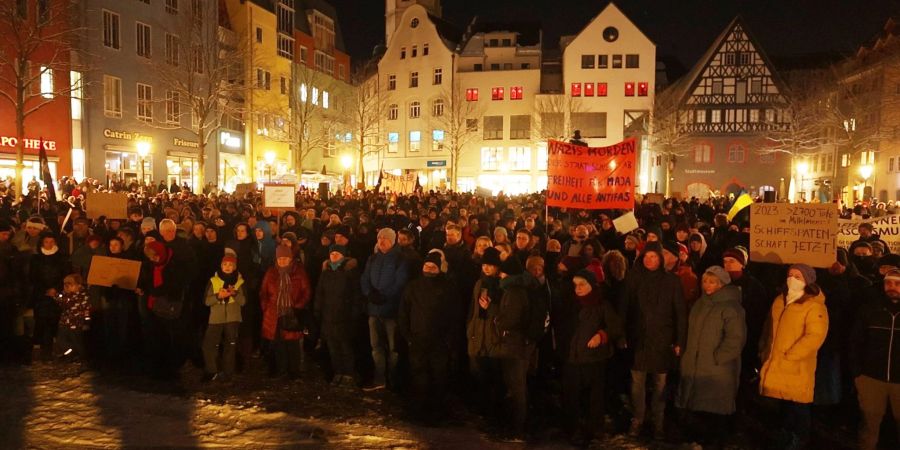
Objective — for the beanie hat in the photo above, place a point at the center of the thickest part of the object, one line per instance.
(229, 257)
(512, 266)
(696, 237)
(738, 253)
(809, 274)
(433, 258)
(683, 249)
(634, 239)
(720, 273)
(230, 251)
(491, 256)
(283, 251)
(388, 233)
(443, 259)
(653, 229)
(36, 222)
(671, 247)
(148, 222)
(342, 230)
(338, 248)
(588, 276)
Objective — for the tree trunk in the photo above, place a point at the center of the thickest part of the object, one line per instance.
(454, 171)
(20, 147)
(201, 165)
(360, 170)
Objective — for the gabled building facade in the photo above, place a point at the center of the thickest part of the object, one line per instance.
(714, 123)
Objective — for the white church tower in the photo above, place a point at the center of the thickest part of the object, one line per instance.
(394, 9)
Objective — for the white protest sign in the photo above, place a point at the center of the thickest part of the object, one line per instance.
(785, 233)
(279, 195)
(625, 223)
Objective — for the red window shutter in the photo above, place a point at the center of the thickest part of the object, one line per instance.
(588, 89)
(601, 89)
(629, 89)
(576, 89)
(643, 88)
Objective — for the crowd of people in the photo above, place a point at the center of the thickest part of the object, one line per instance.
(666, 331)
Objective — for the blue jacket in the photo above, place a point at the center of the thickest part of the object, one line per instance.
(387, 273)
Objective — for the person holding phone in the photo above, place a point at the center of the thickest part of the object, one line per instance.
(481, 328)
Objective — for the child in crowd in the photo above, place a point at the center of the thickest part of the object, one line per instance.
(75, 317)
(224, 296)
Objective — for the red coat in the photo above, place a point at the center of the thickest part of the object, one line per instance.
(690, 285)
(268, 298)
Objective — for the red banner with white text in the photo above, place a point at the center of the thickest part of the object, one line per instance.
(591, 177)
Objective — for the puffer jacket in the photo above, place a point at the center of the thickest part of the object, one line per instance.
(711, 363)
(387, 273)
(338, 301)
(791, 339)
(228, 310)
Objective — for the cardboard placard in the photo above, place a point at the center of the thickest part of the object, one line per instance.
(279, 196)
(591, 177)
(242, 189)
(788, 233)
(111, 205)
(655, 198)
(484, 192)
(887, 228)
(625, 223)
(109, 272)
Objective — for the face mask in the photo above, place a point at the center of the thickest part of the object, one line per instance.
(794, 284)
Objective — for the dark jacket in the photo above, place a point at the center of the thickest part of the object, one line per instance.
(385, 273)
(577, 324)
(428, 316)
(875, 341)
(512, 325)
(338, 301)
(481, 328)
(656, 319)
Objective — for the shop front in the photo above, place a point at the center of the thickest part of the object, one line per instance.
(128, 157)
(432, 174)
(232, 160)
(31, 170)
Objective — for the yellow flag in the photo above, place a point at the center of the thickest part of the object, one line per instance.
(742, 202)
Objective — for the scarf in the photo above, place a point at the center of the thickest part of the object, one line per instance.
(159, 267)
(229, 279)
(50, 252)
(592, 299)
(283, 302)
(337, 265)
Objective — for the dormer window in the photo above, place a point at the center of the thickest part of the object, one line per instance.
(414, 23)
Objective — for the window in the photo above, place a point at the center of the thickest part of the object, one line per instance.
(495, 66)
(324, 62)
(520, 158)
(46, 82)
(701, 116)
(767, 158)
(172, 56)
(520, 127)
(304, 92)
(756, 86)
(413, 79)
(415, 51)
(77, 95)
(576, 90)
(393, 142)
(588, 89)
(471, 124)
(263, 79)
(402, 52)
(602, 61)
(601, 89)
(438, 76)
(415, 110)
(632, 61)
(145, 102)
(173, 107)
(259, 35)
(285, 46)
(736, 153)
(111, 30)
(587, 61)
(845, 160)
(643, 88)
(515, 93)
(325, 99)
(729, 59)
(745, 58)
(754, 115)
(629, 89)
(526, 66)
(172, 6)
(493, 127)
(542, 157)
(490, 158)
(43, 7)
(315, 95)
(507, 42)
(415, 141)
(891, 165)
(494, 43)
(702, 153)
(112, 96)
(392, 82)
(341, 74)
(867, 157)
(437, 140)
(497, 93)
(717, 86)
(592, 125)
(478, 67)
(437, 108)
(142, 39)
(283, 85)
(716, 116)
(617, 61)
(393, 112)
(472, 95)
(425, 50)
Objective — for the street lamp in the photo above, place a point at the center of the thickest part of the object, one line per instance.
(270, 160)
(143, 149)
(802, 169)
(865, 172)
(346, 163)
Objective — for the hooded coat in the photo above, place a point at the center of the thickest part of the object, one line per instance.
(791, 339)
(711, 363)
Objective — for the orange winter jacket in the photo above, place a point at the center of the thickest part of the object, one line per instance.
(791, 338)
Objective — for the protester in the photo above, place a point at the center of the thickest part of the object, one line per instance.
(75, 317)
(224, 297)
(284, 294)
(338, 303)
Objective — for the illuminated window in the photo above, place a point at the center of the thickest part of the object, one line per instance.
(437, 140)
(325, 99)
(702, 153)
(415, 141)
(46, 82)
(304, 92)
(520, 158)
(472, 95)
(588, 89)
(393, 142)
(601, 89)
(643, 88)
(515, 93)
(490, 158)
(576, 89)
(629, 89)
(497, 93)
(415, 110)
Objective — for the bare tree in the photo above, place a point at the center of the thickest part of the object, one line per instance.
(553, 115)
(667, 139)
(458, 119)
(313, 113)
(363, 116)
(37, 44)
(203, 76)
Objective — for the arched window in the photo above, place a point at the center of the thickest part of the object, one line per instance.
(415, 110)
(392, 112)
(437, 108)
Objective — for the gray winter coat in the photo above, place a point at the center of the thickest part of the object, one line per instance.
(711, 363)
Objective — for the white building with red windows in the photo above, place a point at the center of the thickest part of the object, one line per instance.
(511, 95)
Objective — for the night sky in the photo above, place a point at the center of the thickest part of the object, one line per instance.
(682, 29)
